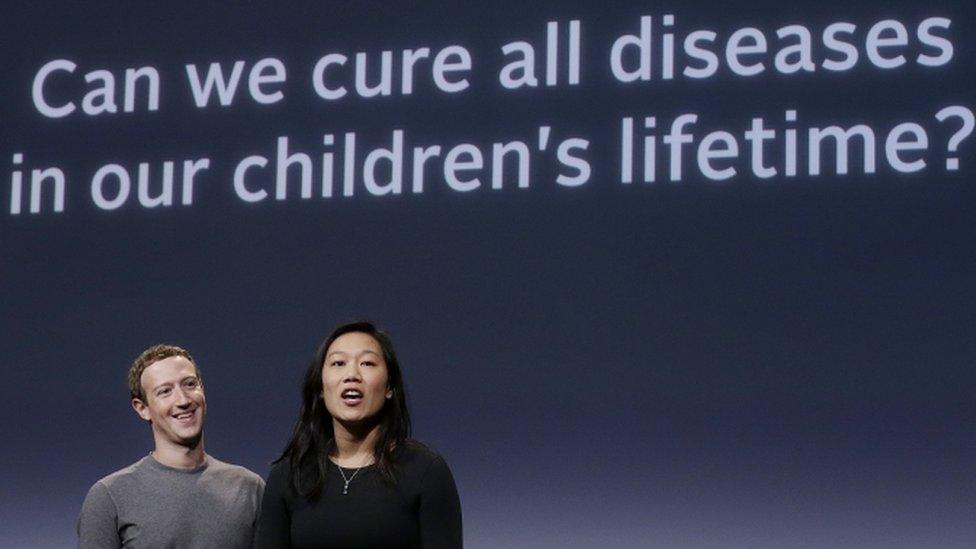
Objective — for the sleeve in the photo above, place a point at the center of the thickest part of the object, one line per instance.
(98, 525)
(259, 496)
(440, 509)
(274, 522)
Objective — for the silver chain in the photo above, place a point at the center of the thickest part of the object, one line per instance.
(345, 489)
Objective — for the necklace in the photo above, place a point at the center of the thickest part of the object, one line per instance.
(345, 489)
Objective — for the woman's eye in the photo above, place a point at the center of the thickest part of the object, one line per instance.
(368, 363)
(337, 363)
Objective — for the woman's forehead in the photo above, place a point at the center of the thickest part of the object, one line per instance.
(355, 343)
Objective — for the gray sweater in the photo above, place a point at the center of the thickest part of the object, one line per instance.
(148, 504)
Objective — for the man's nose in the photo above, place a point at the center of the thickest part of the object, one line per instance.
(182, 398)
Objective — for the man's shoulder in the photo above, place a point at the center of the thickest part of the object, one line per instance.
(230, 472)
(122, 476)
(106, 493)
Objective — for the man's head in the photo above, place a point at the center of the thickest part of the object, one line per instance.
(167, 391)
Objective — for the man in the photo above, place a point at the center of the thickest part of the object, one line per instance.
(177, 496)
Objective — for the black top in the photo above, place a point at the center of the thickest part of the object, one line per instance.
(421, 510)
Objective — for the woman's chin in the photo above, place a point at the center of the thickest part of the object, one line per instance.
(357, 423)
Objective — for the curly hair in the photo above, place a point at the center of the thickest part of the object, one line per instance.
(147, 358)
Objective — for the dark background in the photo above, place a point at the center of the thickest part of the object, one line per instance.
(782, 362)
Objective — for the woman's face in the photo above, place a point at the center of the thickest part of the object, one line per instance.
(354, 378)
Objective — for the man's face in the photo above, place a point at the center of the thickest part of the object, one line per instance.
(175, 404)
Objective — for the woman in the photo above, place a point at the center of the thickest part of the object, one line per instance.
(350, 477)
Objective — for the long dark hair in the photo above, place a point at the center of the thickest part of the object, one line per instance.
(313, 437)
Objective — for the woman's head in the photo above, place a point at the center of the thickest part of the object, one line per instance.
(363, 359)
(356, 375)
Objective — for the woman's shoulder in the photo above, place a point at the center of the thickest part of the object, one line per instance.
(417, 461)
(416, 453)
(279, 477)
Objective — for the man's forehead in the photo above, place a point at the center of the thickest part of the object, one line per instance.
(169, 369)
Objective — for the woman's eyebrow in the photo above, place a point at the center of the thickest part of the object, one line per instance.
(358, 353)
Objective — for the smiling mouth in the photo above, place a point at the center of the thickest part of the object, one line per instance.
(185, 417)
(352, 397)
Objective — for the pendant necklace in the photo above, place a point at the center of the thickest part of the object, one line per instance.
(345, 489)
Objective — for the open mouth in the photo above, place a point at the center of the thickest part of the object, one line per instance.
(352, 397)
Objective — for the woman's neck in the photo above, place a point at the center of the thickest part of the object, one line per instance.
(354, 445)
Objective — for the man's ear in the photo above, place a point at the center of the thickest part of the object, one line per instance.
(140, 408)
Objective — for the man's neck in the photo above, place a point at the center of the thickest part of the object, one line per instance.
(179, 457)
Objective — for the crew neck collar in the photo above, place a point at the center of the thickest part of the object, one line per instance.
(151, 460)
(364, 467)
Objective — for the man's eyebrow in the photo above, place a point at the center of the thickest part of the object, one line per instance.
(166, 383)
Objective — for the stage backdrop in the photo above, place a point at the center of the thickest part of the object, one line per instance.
(674, 274)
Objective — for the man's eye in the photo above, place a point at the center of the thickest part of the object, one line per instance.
(191, 384)
(162, 392)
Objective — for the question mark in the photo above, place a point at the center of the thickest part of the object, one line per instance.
(964, 114)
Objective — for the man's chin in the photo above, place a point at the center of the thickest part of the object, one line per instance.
(190, 441)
